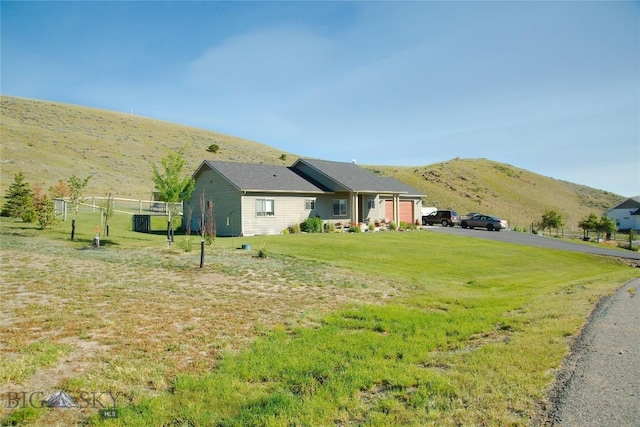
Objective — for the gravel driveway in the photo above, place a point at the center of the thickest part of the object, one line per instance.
(599, 384)
(537, 240)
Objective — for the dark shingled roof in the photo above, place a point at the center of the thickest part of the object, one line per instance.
(257, 177)
(630, 203)
(357, 179)
(272, 178)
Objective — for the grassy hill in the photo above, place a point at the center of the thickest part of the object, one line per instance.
(521, 196)
(52, 141)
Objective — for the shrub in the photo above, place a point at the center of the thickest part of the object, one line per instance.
(311, 225)
(393, 225)
(213, 148)
(294, 228)
(407, 226)
(330, 227)
(186, 244)
(355, 228)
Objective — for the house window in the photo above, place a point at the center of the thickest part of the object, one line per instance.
(265, 207)
(371, 204)
(309, 204)
(340, 207)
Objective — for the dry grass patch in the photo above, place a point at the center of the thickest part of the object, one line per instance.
(130, 320)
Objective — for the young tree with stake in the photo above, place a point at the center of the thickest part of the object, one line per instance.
(172, 186)
(76, 188)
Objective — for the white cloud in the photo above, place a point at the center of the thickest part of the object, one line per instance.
(271, 60)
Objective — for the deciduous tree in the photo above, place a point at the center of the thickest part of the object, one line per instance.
(551, 220)
(172, 186)
(589, 223)
(108, 208)
(76, 188)
(60, 190)
(606, 225)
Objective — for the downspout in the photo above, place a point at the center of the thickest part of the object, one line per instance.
(241, 231)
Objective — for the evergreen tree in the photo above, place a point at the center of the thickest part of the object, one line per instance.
(19, 200)
(46, 212)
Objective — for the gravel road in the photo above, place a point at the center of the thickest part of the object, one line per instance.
(537, 240)
(600, 381)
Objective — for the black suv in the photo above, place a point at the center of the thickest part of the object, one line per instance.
(445, 218)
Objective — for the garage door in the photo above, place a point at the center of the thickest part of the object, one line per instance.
(406, 211)
(388, 210)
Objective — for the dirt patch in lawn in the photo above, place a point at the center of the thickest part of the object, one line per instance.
(129, 323)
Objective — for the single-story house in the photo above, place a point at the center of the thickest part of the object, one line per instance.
(626, 214)
(254, 199)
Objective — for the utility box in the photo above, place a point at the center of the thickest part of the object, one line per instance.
(142, 223)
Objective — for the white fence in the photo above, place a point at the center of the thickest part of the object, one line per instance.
(125, 206)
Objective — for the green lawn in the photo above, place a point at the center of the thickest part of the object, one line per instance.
(391, 328)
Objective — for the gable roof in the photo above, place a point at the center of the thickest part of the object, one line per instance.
(630, 203)
(271, 178)
(260, 177)
(356, 179)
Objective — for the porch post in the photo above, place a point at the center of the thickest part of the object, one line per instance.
(354, 209)
(396, 209)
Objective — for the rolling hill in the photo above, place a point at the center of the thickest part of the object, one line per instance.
(51, 141)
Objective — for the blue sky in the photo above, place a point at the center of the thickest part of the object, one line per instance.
(552, 87)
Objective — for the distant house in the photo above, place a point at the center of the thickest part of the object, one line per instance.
(626, 214)
(253, 199)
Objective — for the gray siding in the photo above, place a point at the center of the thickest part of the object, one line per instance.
(376, 213)
(325, 207)
(289, 209)
(226, 203)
